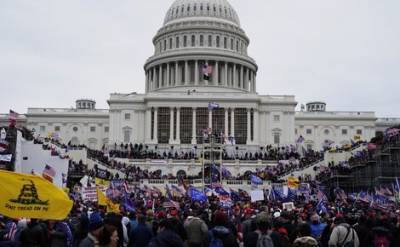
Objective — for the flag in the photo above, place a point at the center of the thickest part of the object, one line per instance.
(392, 132)
(12, 117)
(300, 139)
(255, 180)
(207, 71)
(235, 196)
(196, 195)
(220, 191)
(321, 207)
(49, 173)
(128, 204)
(225, 172)
(293, 182)
(102, 182)
(171, 204)
(213, 105)
(102, 200)
(371, 146)
(6, 157)
(29, 196)
(277, 193)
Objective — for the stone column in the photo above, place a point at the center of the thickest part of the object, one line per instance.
(241, 76)
(178, 125)
(246, 79)
(194, 140)
(147, 126)
(255, 82)
(216, 74)
(226, 75)
(168, 81)
(171, 126)
(226, 122)
(160, 74)
(210, 118)
(186, 73)
(147, 81)
(256, 139)
(154, 78)
(196, 72)
(234, 76)
(233, 122)
(176, 73)
(155, 125)
(248, 127)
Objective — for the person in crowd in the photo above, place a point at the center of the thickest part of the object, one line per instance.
(220, 235)
(101, 232)
(196, 230)
(261, 236)
(343, 234)
(316, 226)
(166, 236)
(141, 235)
(35, 234)
(304, 237)
(60, 234)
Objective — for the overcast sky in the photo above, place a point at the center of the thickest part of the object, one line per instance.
(343, 52)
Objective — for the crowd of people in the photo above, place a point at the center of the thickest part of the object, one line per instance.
(153, 221)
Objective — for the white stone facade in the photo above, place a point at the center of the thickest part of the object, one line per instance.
(173, 110)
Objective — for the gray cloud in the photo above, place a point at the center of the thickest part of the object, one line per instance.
(343, 52)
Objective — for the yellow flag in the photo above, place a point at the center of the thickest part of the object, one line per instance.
(293, 182)
(102, 200)
(30, 196)
(102, 182)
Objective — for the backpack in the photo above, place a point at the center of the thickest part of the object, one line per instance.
(381, 241)
(264, 240)
(351, 242)
(215, 242)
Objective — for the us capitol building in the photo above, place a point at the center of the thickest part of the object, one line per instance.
(174, 109)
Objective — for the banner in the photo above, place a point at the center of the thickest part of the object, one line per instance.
(29, 196)
(89, 194)
(257, 195)
(6, 157)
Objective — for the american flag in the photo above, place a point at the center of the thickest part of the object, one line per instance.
(49, 173)
(13, 115)
(207, 71)
(171, 204)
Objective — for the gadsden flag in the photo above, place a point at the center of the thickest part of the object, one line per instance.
(30, 196)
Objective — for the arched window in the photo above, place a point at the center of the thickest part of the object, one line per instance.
(209, 40)
(184, 41)
(218, 43)
(170, 43)
(165, 44)
(177, 42)
(193, 40)
(201, 40)
(231, 44)
(225, 42)
(237, 45)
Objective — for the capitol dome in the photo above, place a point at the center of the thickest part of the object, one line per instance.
(186, 9)
(198, 34)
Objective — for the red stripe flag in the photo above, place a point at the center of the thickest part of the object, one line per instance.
(49, 173)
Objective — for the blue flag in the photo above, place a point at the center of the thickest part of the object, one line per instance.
(256, 180)
(235, 196)
(220, 191)
(128, 205)
(196, 195)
